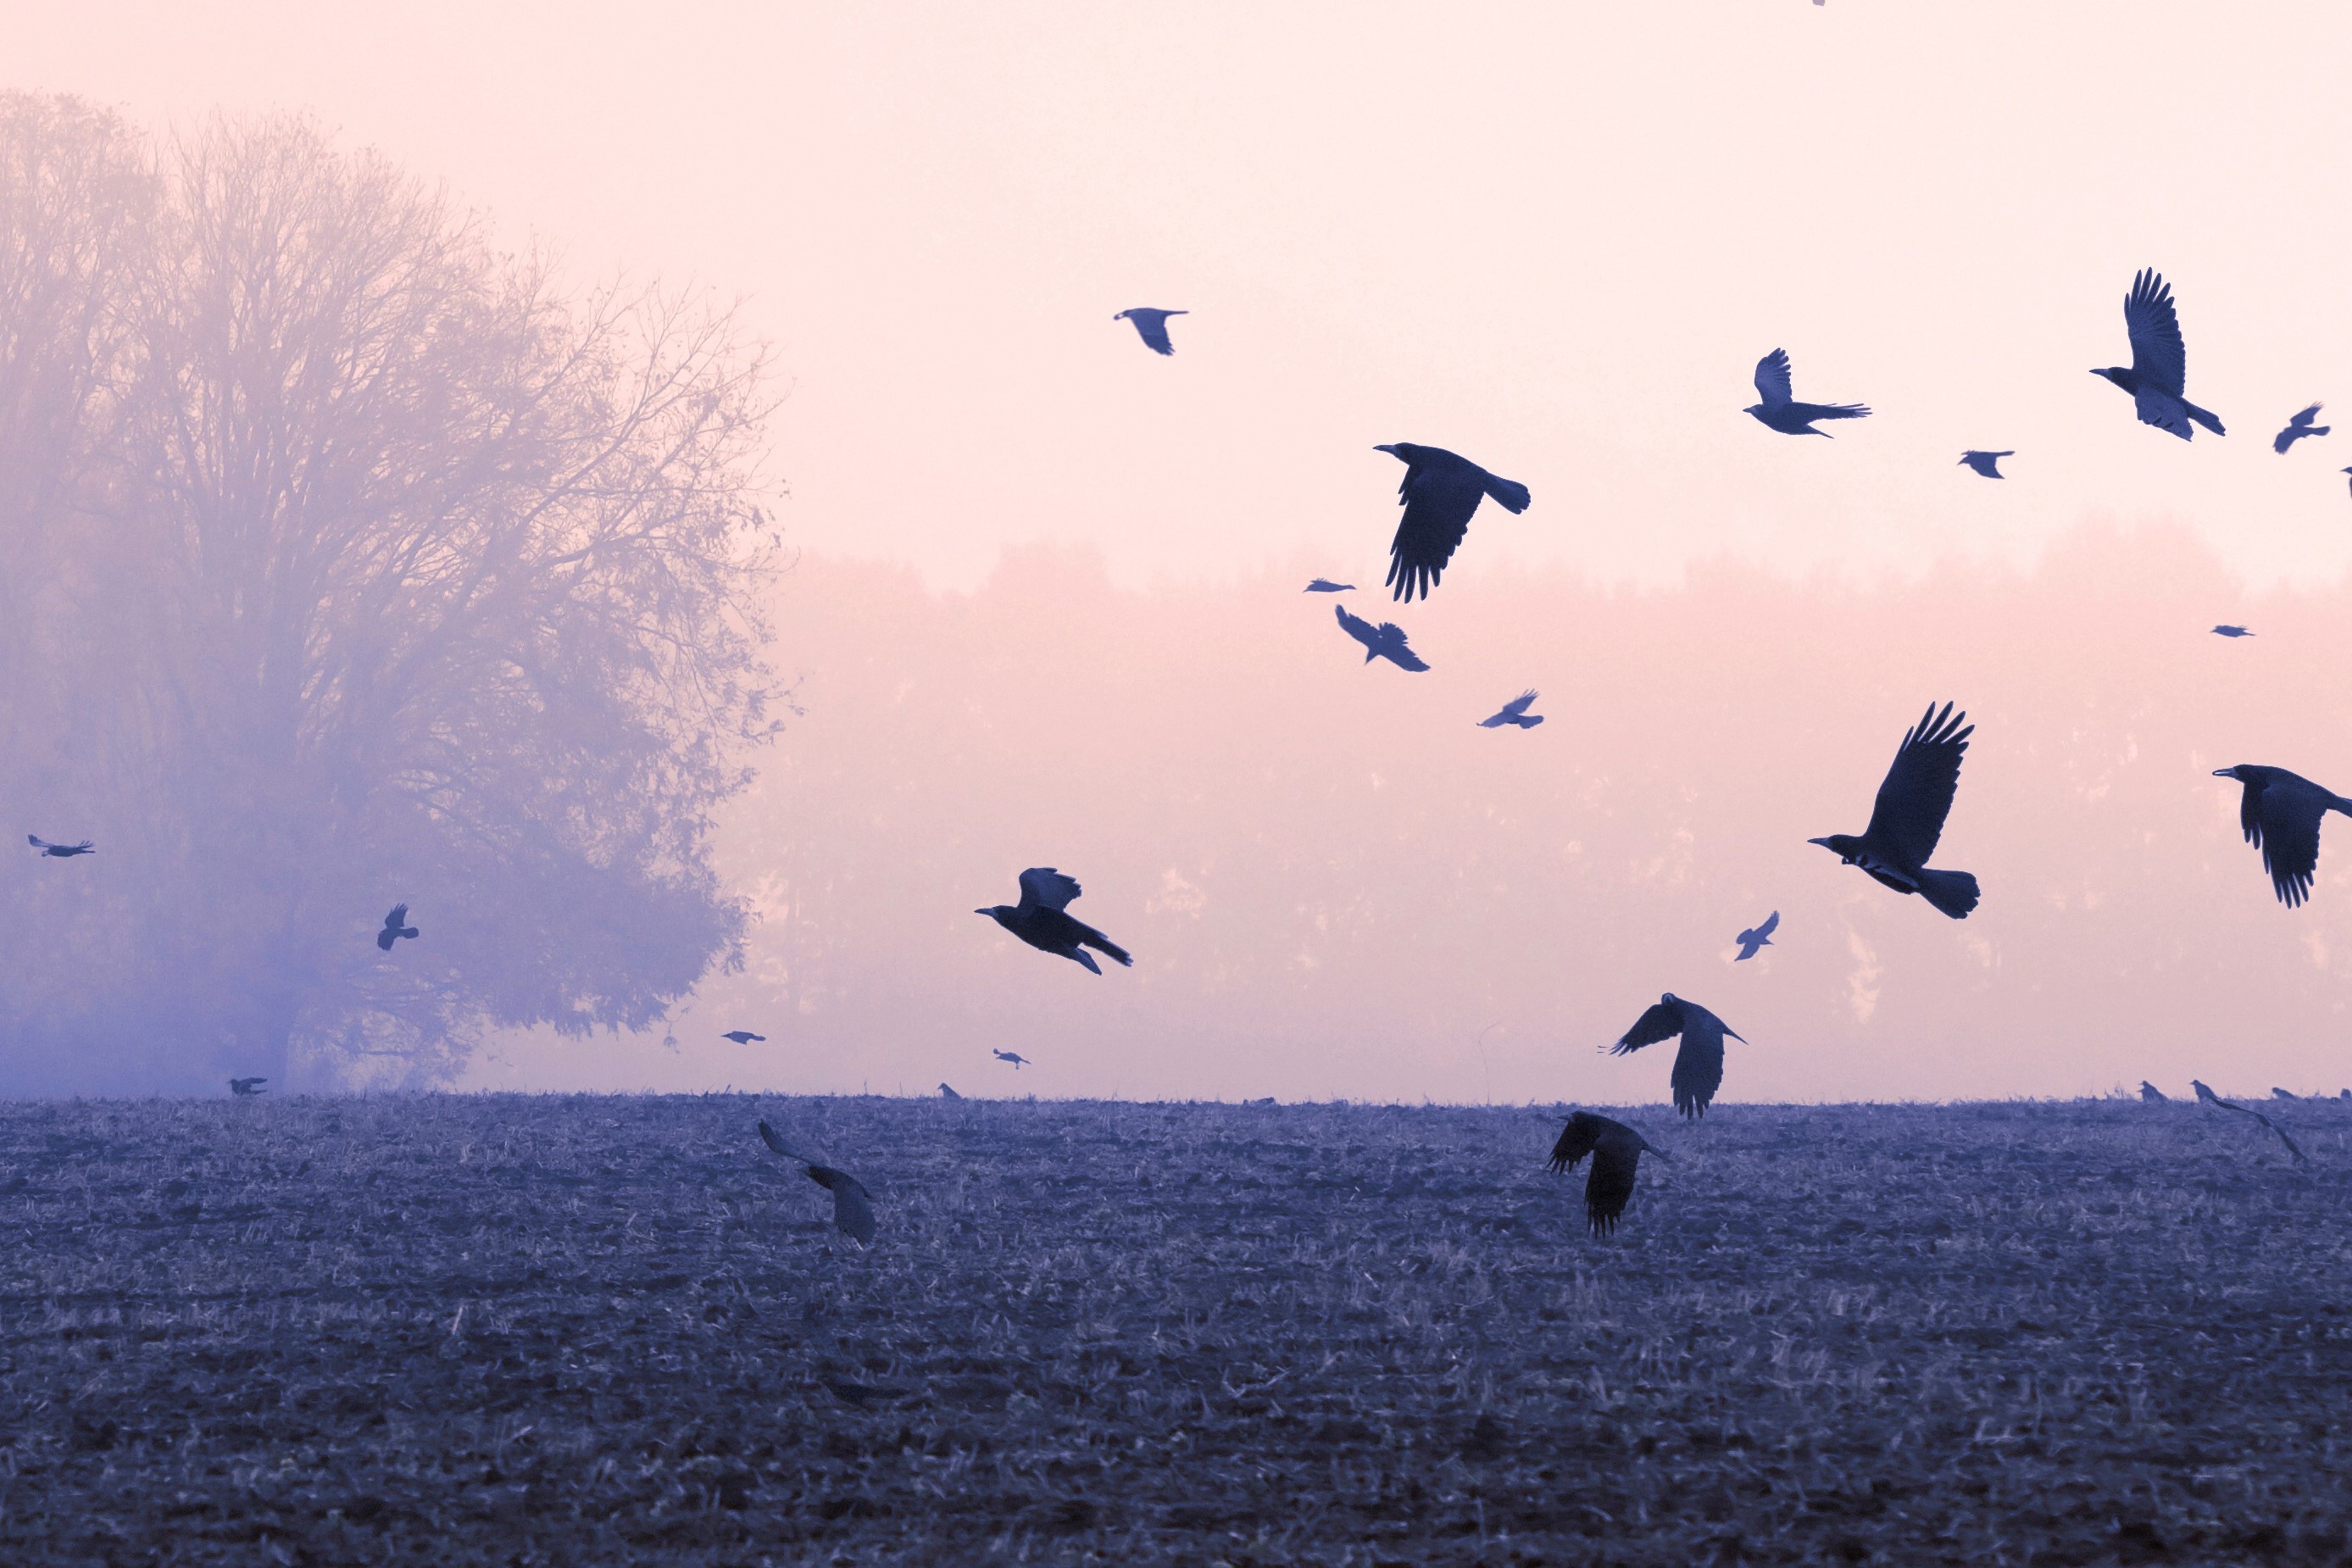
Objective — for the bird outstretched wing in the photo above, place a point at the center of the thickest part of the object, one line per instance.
(1607, 1189)
(1393, 646)
(1772, 384)
(1917, 795)
(2158, 356)
(1772, 923)
(1663, 1021)
(1357, 627)
(2296, 428)
(853, 1210)
(1576, 1140)
(768, 1136)
(2283, 822)
(1517, 706)
(398, 918)
(1439, 498)
(1043, 888)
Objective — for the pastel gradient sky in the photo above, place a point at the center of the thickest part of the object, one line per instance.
(1556, 239)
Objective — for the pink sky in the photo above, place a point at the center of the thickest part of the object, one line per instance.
(1555, 238)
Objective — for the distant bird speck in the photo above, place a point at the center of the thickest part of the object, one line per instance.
(1439, 491)
(1616, 1150)
(1515, 711)
(1325, 585)
(1757, 938)
(1698, 1065)
(948, 1093)
(2152, 1095)
(1015, 1057)
(1907, 819)
(2159, 365)
(1986, 463)
(60, 851)
(2278, 1093)
(1039, 919)
(2229, 631)
(852, 1209)
(2281, 813)
(1781, 412)
(243, 1086)
(2209, 1098)
(1383, 641)
(2344, 470)
(1152, 326)
(396, 926)
(2297, 428)
(743, 1036)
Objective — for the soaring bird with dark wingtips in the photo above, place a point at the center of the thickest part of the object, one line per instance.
(852, 1206)
(1515, 711)
(1779, 410)
(1039, 919)
(1152, 326)
(1325, 585)
(1616, 1150)
(2160, 360)
(1438, 492)
(2229, 631)
(1698, 1065)
(244, 1086)
(2151, 1094)
(1985, 463)
(2297, 428)
(1908, 819)
(1383, 641)
(1015, 1057)
(396, 926)
(1756, 939)
(60, 851)
(2281, 813)
(744, 1038)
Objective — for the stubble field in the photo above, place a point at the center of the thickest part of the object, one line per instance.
(593, 1329)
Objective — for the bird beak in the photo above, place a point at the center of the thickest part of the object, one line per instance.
(1822, 842)
(1390, 450)
(2223, 773)
(980, 912)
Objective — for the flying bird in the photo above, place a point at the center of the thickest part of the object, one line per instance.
(2209, 1098)
(852, 1209)
(2281, 813)
(1698, 1065)
(1438, 492)
(2229, 631)
(2344, 470)
(1779, 411)
(744, 1038)
(60, 851)
(1986, 463)
(948, 1093)
(1515, 711)
(396, 926)
(1757, 938)
(1039, 920)
(1383, 641)
(1908, 818)
(1015, 1057)
(1152, 326)
(2160, 360)
(1325, 585)
(1616, 1150)
(2152, 1095)
(2297, 428)
(243, 1086)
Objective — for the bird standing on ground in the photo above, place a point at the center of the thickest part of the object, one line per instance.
(948, 1093)
(1039, 920)
(1986, 463)
(243, 1086)
(2231, 631)
(1152, 326)
(1698, 1065)
(60, 852)
(1438, 492)
(2281, 814)
(2297, 428)
(1908, 818)
(1383, 641)
(2209, 1098)
(1754, 939)
(396, 926)
(852, 1209)
(1616, 1150)
(744, 1038)
(1325, 585)
(1515, 711)
(1781, 412)
(2152, 1095)
(2278, 1093)
(2160, 360)
(1015, 1057)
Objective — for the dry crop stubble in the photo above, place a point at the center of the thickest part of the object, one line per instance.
(574, 1329)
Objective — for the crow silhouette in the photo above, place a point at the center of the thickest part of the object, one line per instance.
(1515, 711)
(1015, 1057)
(1908, 818)
(1781, 412)
(1616, 1150)
(2229, 631)
(396, 926)
(1986, 463)
(2297, 428)
(2281, 814)
(2209, 1098)
(1754, 939)
(1698, 1065)
(2344, 470)
(1152, 326)
(242, 1087)
(1325, 585)
(1438, 492)
(948, 1093)
(744, 1038)
(853, 1207)
(2160, 360)
(2278, 1093)
(1039, 920)
(2151, 1094)
(60, 851)
(1383, 641)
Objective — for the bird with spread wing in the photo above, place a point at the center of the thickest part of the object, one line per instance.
(2159, 364)
(1515, 711)
(1698, 1063)
(1152, 326)
(1908, 818)
(1383, 641)
(852, 1206)
(396, 926)
(2281, 813)
(1616, 1150)
(1041, 919)
(2297, 428)
(1757, 938)
(1438, 492)
(1780, 411)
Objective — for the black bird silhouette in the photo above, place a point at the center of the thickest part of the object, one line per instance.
(2160, 360)
(2229, 631)
(1616, 1150)
(1438, 492)
(2209, 1098)
(861, 1395)
(852, 1209)
(2278, 1093)
(2297, 428)
(60, 851)
(396, 926)
(1039, 920)
(1908, 818)
(948, 1093)
(1698, 1065)
(242, 1087)
(2151, 1094)
(2280, 812)
(1986, 463)
(1515, 711)
(743, 1036)
(1383, 641)
(1781, 412)
(1325, 585)
(1015, 1057)
(2344, 470)
(1754, 939)
(1152, 326)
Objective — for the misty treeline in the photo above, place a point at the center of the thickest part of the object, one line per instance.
(346, 559)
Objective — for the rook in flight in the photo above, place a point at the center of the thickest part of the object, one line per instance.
(2344, 470)
(1754, 939)
(396, 926)
(1039, 920)
(1698, 1065)
(2160, 360)
(852, 1209)
(2280, 812)
(1780, 411)
(1616, 1150)
(1908, 818)
(2297, 428)
(61, 852)
(744, 1038)
(1383, 641)
(2229, 631)
(1325, 585)
(1152, 326)
(1986, 463)
(242, 1087)
(1438, 492)
(1515, 711)
(1015, 1057)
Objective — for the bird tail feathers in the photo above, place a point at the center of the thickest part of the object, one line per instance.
(1107, 948)
(2202, 418)
(1953, 892)
(1508, 494)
